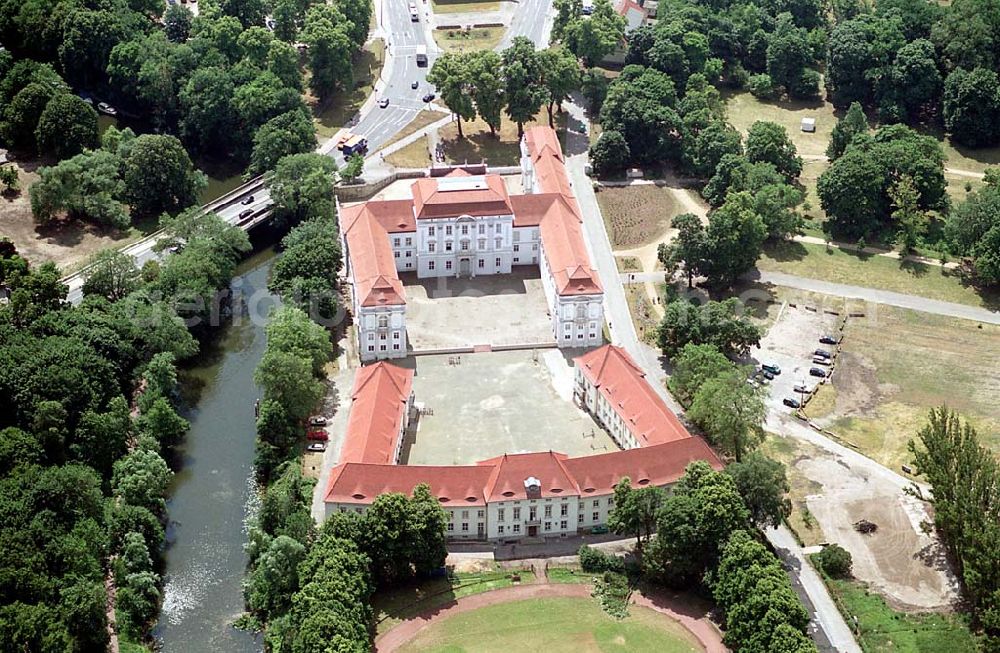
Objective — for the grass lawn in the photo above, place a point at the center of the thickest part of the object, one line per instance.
(896, 365)
(462, 40)
(457, 6)
(333, 114)
(554, 625)
(479, 145)
(568, 575)
(636, 215)
(743, 110)
(424, 118)
(402, 603)
(414, 155)
(880, 628)
(838, 266)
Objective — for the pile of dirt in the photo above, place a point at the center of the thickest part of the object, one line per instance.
(865, 527)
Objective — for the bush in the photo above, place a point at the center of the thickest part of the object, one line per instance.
(835, 561)
(596, 561)
(610, 154)
(806, 87)
(761, 87)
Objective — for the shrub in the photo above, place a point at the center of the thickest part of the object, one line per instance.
(835, 561)
(596, 561)
(761, 87)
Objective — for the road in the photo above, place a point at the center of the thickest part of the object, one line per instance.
(533, 18)
(834, 633)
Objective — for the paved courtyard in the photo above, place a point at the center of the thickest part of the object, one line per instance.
(508, 309)
(493, 403)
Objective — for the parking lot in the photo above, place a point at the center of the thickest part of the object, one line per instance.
(476, 406)
(790, 344)
(446, 313)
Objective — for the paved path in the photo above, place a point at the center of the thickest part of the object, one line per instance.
(958, 172)
(673, 607)
(912, 302)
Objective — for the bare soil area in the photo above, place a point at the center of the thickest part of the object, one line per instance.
(638, 214)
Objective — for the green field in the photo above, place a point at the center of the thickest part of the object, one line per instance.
(554, 625)
(883, 629)
(839, 266)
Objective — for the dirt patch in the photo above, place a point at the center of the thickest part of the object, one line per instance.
(856, 383)
(638, 214)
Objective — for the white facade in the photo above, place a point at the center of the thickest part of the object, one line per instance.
(381, 331)
(597, 404)
(465, 246)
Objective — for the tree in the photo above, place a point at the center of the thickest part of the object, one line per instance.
(972, 107)
(86, 186)
(19, 119)
(288, 379)
(283, 62)
(731, 412)
(835, 561)
(973, 230)
(111, 274)
(693, 366)
(141, 479)
(248, 12)
(524, 90)
(327, 32)
(610, 154)
(768, 142)
(302, 187)
(88, 37)
(67, 126)
(487, 87)
(359, 13)
(289, 330)
(853, 123)
(162, 423)
(704, 152)
(83, 607)
(913, 85)
(687, 248)
(788, 55)
(724, 324)
(560, 75)
(209, 120)
(593, 37)
(764, 487)
(177, 23)
(274, 578)
(9, 179)
(734, 240)
(159, 176)
(911, 220)
(635, 510)
(289, 133)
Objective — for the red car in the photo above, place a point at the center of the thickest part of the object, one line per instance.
(317, 434)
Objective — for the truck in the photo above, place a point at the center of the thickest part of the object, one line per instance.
(414, 14)
(421, 55)
(352, 143)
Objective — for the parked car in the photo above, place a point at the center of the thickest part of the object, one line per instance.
(429, 97)
(821, 360)
(822, 352)
(247, 200)
(317, 434)
(772, 368)
(316, 447)
(383, 103)
(415, 85)
(599, 530)
(246, 213)
(791, 403)
(107, 109)
(801, 389)
(829, 340)
(767, 374)
(817, 371)
(176, 249)
(317, 420)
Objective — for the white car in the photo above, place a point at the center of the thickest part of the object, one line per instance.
(316, 447)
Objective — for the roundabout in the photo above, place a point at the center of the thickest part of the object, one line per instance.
(555, 618)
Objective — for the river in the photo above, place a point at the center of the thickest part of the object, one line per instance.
(213, 492)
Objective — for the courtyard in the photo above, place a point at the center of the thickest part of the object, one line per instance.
(477, 406)
(449, 313)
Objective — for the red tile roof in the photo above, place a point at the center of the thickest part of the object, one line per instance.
(452, 196)
(378, 411)
(376, 282)
(511, 471)
(657, 465)
(623, 384)
(453, 486)
(561, 224)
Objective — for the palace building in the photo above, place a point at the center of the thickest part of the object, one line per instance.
(515, 496)
(464, 225)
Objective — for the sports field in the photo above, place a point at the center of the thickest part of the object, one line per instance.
(553, 625)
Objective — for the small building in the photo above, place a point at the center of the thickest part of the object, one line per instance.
(809, 125)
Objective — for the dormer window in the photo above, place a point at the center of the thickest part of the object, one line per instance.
(532, 487)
